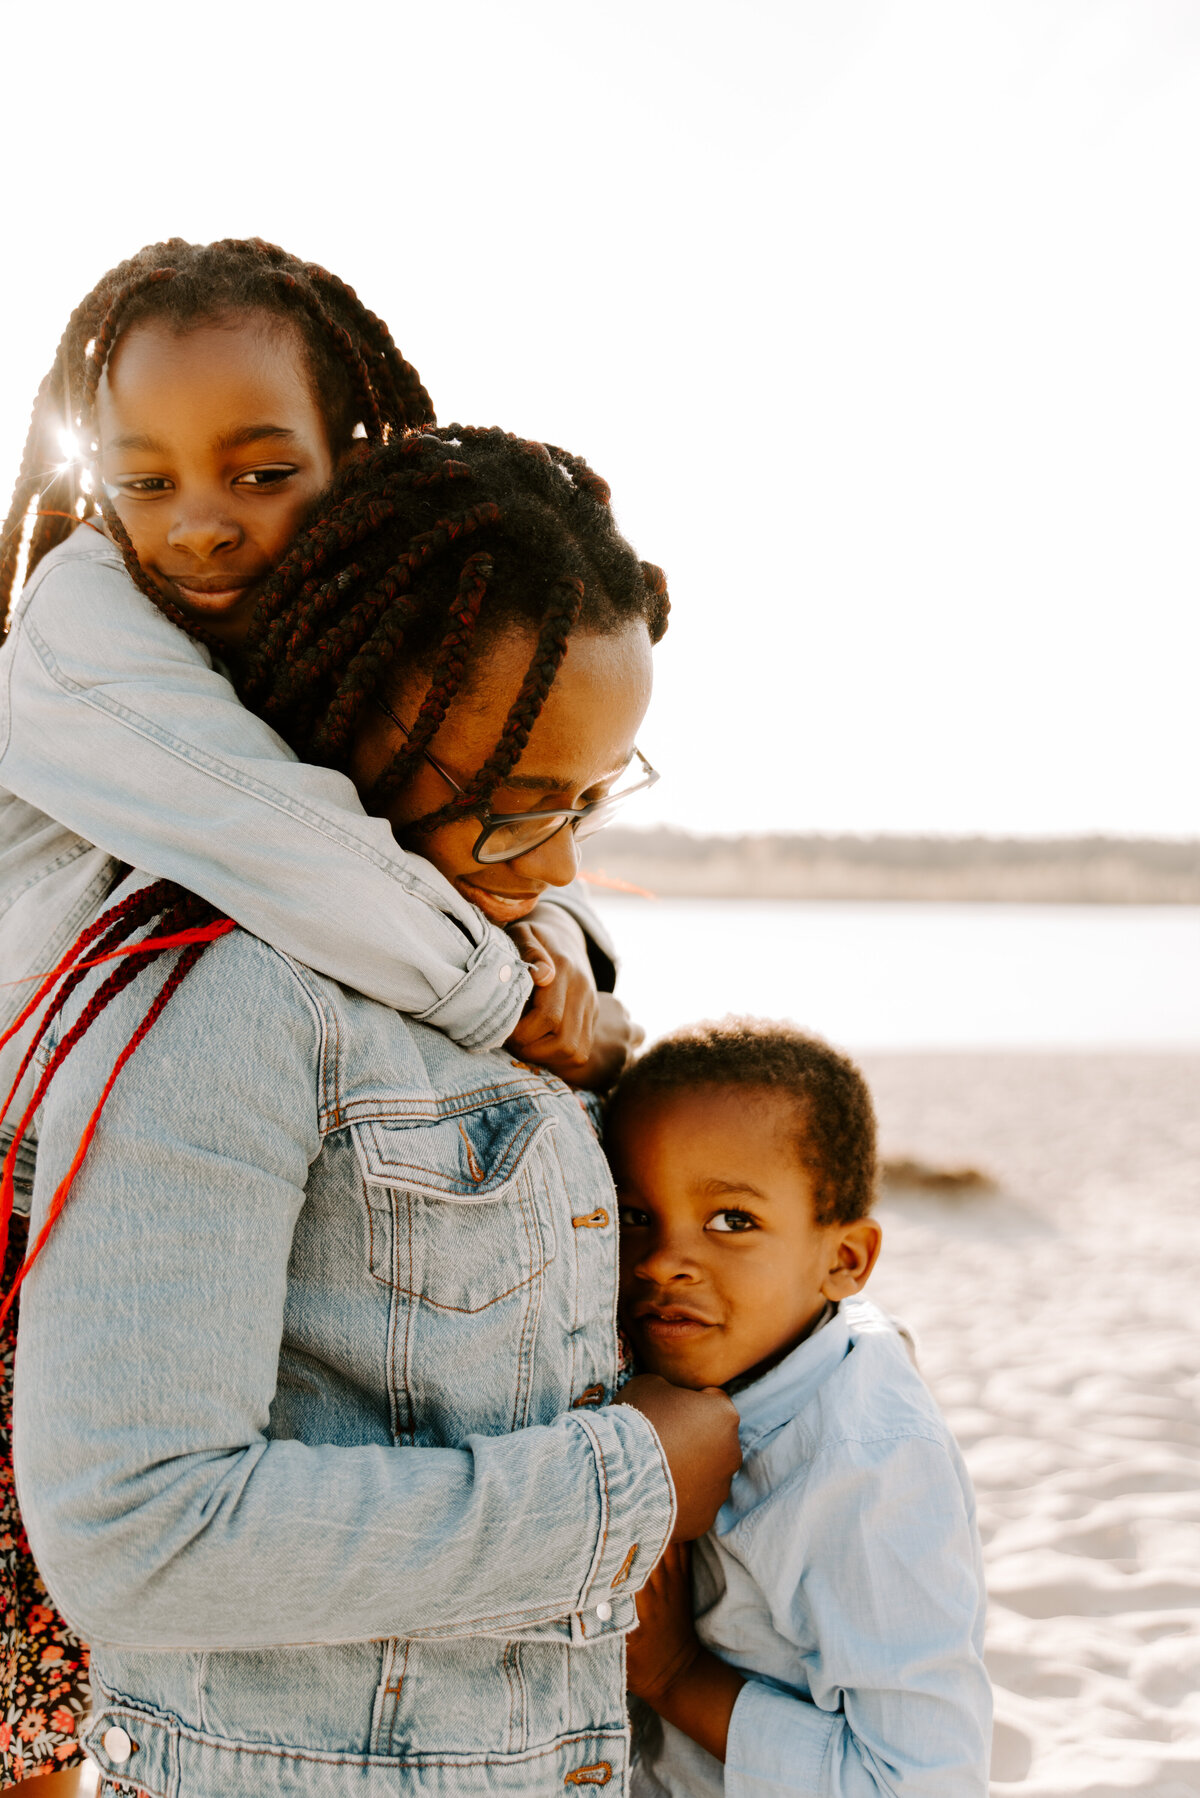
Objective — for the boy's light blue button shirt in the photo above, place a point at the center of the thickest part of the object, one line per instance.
(844, 1578)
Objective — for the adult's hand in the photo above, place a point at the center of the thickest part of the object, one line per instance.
(699, 1436)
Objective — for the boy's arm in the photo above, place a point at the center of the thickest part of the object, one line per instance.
(669, 1667)
(871, 1565)
(871, 1572)
(115, 723)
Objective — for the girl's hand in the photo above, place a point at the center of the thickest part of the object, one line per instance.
(664, 1644)
(583, 1036)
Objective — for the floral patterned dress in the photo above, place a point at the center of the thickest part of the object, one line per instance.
(44, 1694)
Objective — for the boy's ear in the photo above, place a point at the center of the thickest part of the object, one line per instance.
(855, 1250)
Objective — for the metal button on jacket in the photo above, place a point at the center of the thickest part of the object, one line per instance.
(603, 1611)
(117, 1744)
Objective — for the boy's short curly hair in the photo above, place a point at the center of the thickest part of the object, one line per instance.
(834, 1116)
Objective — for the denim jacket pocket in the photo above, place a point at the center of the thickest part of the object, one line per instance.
(455, 1219)
(461, 1238)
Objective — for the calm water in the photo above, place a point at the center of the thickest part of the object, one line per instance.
(918, 976)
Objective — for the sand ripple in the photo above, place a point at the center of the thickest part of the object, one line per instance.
(1057, 1323)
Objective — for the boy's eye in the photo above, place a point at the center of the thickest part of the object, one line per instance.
(264, 477)
(731, 1222)
(631, 1218)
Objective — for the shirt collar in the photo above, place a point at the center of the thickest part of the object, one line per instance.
(775, 1399)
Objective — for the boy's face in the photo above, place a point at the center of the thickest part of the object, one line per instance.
(213, 448)
(723, 1265)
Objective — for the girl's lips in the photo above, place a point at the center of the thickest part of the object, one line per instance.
(501, 908)
(213, 596)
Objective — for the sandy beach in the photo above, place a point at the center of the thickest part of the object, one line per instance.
(1056, 1317)
(1057, 1321)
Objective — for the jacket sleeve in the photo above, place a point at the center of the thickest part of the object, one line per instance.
(115, 723)
(876, 1582)
(162, 1513)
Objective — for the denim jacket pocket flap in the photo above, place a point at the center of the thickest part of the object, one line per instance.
(474, 1156)
(458, 1209)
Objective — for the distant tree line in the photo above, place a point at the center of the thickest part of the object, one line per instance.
(674, 863)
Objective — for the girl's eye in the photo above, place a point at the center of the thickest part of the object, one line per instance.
(147, 485)
(264, 477)
(631, 1218)
(731, 1222)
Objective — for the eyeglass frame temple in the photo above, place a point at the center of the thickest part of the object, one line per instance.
(571, 815)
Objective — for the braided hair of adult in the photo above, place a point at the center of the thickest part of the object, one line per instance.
(430, 548)
(359, 376)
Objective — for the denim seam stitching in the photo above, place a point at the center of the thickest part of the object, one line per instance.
(44, 870)
(465, 1758)
(605, 1509)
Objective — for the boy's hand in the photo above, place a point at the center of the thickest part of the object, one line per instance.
(583, 1036)
(698, 1432)
(668, 1666)
(664, 1644)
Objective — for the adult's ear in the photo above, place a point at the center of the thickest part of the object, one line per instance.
(854, 1252)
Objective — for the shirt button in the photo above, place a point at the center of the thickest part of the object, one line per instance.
(505, 973)
(118, 1745)
(603, 1611)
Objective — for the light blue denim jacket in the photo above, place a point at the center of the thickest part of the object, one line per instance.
(312, 1432)
(116, 730)
(844, 1578)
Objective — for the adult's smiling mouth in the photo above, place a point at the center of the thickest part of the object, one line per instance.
(500, 906)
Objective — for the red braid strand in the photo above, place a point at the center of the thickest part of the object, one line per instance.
(178, 973)
(136, 957)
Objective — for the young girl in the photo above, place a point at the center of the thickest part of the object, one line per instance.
(326, 1466)
(223, 385)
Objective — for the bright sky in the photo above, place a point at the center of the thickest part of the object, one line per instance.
(880, 316)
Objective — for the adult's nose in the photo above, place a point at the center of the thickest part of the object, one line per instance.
(555, 861)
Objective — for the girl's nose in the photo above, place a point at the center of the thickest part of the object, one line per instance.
(204, 533)
(556, 861)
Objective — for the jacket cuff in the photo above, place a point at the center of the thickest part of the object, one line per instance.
(777, 1744)
(637, 1515)
(482, 1008)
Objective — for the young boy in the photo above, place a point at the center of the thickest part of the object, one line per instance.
(838, 1601)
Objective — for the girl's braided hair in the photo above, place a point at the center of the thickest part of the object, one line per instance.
(425, 551)
(359, 376)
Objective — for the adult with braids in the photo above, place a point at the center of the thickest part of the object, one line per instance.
(223, 384)
(340, 1496)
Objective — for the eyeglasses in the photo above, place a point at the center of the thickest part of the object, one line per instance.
(510, 834)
